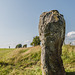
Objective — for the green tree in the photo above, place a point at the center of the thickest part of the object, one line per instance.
(19, 46)
(36, 41)
(25, 46)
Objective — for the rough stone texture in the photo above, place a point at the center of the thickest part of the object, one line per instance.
(52, 34)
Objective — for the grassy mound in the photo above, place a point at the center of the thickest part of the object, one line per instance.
(26, 61)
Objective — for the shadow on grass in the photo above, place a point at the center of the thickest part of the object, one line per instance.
(70, 73)
(5, 64)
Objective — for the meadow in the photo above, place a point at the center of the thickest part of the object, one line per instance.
(26, 61)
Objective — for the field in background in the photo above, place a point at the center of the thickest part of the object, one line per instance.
(26, 61)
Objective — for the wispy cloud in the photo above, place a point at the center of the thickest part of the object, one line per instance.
(27, 41)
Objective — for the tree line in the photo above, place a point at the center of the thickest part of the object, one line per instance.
(36, 41)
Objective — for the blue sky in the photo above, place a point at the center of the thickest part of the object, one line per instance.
(19, 19)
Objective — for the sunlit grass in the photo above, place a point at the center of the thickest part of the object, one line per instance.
(26, 61)
(68, 57)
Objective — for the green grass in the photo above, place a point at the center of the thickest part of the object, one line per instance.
(26, 61)
(68, 56)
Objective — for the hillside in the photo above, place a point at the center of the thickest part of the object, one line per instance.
(26, 61)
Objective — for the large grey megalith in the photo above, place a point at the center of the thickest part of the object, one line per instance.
(52, 34)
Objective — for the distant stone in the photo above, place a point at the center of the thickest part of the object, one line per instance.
(52, 34)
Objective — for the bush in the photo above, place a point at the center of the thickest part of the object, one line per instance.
(36, 41)
(19, 46)
(25, 46)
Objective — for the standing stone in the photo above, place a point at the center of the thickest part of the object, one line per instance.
(52, 34)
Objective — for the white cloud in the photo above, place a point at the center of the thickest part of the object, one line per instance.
(70, 37)
(71, 34)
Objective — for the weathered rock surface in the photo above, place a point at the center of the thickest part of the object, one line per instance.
(52, 34)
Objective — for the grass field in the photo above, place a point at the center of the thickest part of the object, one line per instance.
(26, 61)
